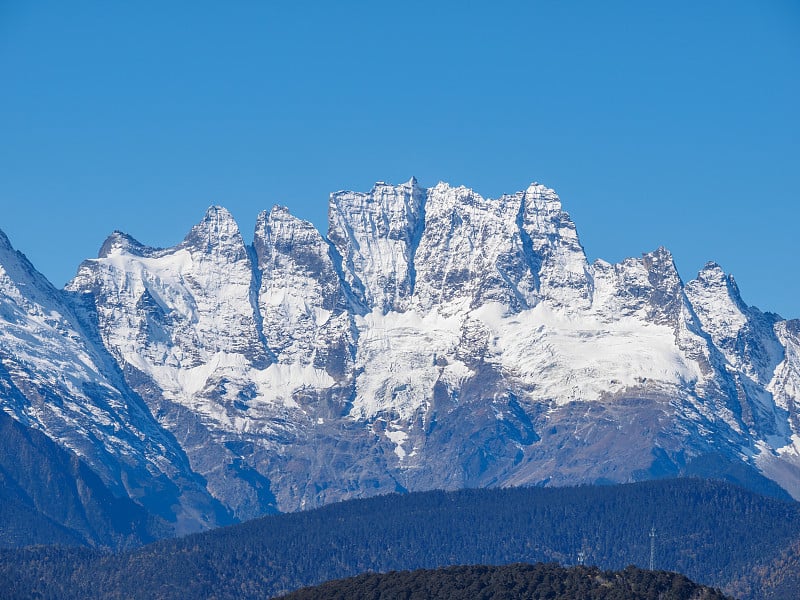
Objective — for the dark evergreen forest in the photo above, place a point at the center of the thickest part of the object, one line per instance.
(715, 533)
(512, 582)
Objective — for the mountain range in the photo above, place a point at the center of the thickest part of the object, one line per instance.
(433, 339)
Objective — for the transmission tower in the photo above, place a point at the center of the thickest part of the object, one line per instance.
(653, 548)
(583, 553)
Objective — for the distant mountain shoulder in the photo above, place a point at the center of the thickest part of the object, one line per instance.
(50, 496)
(513, 582)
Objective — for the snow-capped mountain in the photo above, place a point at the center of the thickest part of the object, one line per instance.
(57, 378)
(433, 339)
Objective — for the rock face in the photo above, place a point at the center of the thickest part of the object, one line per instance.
(434, 339)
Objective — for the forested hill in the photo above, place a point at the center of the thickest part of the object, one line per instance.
(512, 582)
(715, 533)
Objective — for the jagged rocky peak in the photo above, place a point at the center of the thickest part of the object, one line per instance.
(785, 385)
(715, 298)
(666, 300)
(660, 261)
(376, 235)
(288, 247)
(744, 334)
(543, 202)
(5, 243)
(556, 255)
(119, 242)
(471, 252)
(300, 297)
(217, 233)
(10, 258)
(649, 287)
(541, 213)
(280, 231)
(19, 280)
(713, 278)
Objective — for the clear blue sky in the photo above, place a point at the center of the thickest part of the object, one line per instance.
(659, 123)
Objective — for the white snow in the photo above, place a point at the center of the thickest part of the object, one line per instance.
(399, 438)
(397, 352)
(569, 358)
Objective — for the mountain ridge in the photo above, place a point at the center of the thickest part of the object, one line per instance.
(433, 339)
